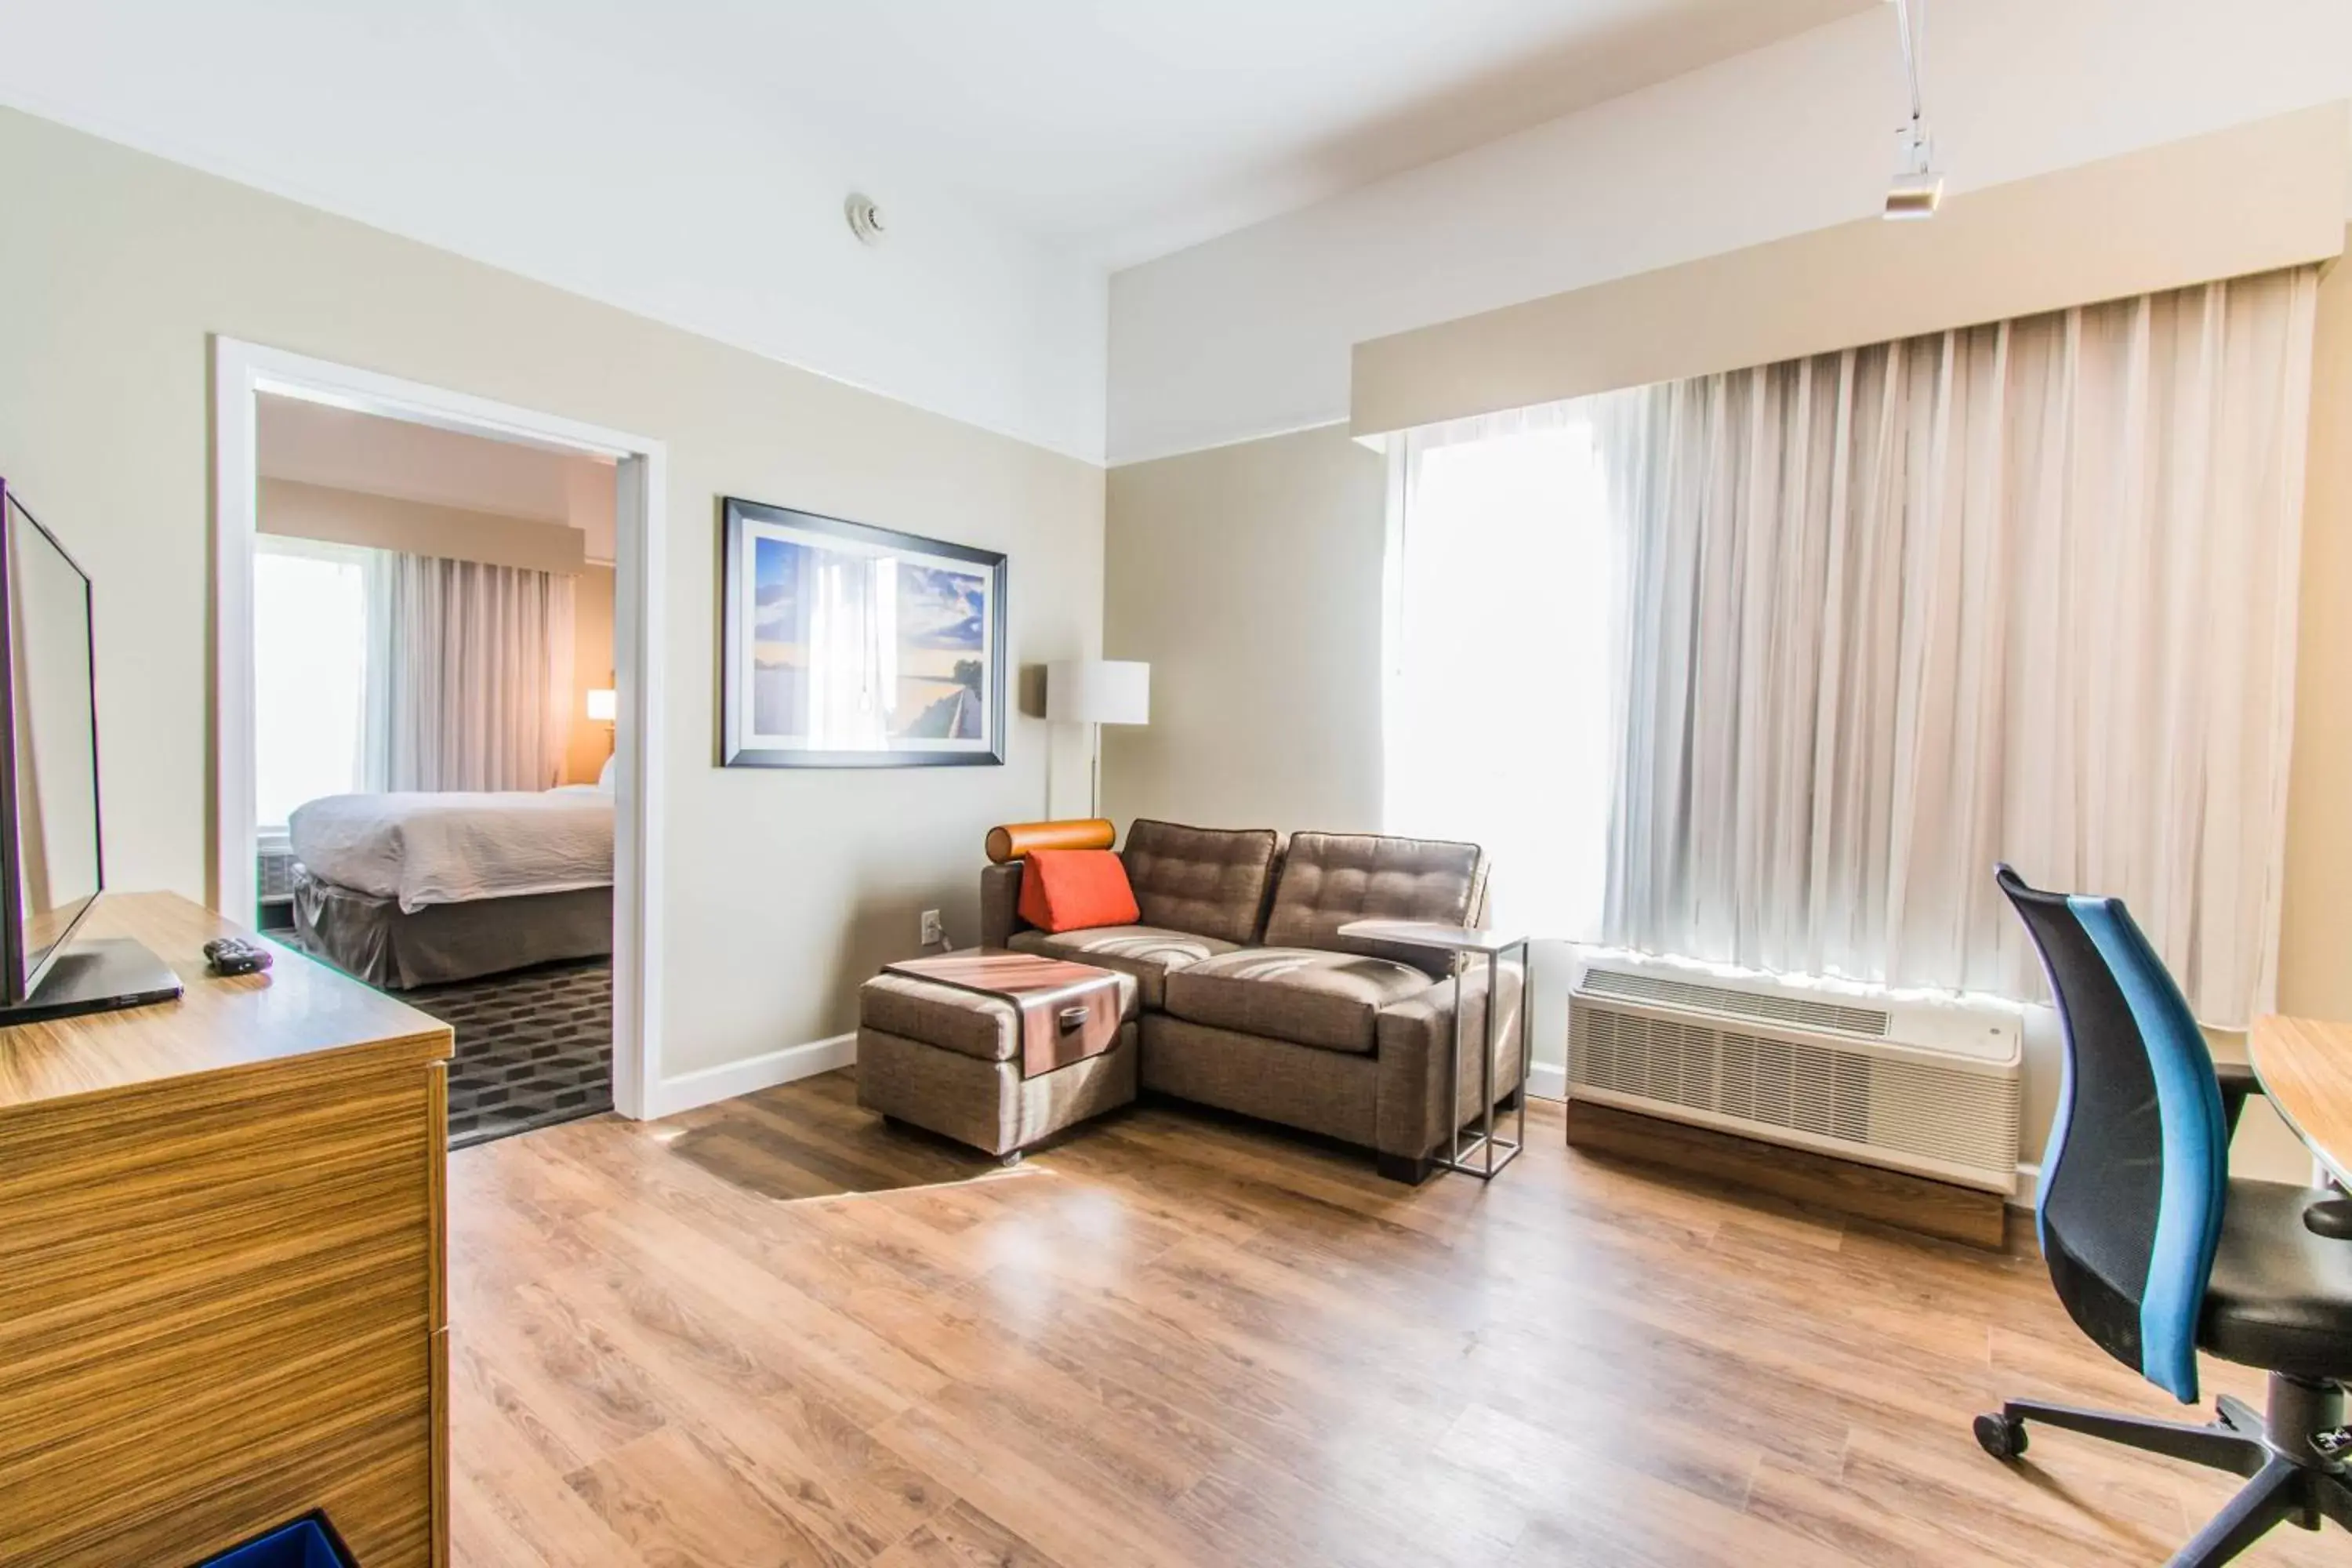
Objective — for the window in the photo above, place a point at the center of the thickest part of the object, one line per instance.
(1767, 668)
(1502, 682)
(310, 673)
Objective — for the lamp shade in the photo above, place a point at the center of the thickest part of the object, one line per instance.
(603, 705)
(1098, 691)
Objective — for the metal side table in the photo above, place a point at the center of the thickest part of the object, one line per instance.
(1484, 1155)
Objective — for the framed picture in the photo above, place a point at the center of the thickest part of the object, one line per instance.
(848, 645)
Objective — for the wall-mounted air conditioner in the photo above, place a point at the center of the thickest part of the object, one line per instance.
(274, 872)
(1925, 1085)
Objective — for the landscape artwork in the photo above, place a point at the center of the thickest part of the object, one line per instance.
(853, 645)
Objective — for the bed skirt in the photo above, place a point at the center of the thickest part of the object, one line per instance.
(373, 940)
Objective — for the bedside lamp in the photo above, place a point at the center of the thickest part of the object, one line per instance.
(605, 708)
(1095, 692)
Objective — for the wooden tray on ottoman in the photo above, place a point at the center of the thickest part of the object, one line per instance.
(1068, 1011)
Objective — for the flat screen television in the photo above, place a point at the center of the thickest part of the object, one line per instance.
(52, 857)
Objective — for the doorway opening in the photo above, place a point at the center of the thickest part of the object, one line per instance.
(436, 757)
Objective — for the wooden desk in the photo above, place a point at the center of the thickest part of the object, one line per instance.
(2305, 1066)
(221, 1289)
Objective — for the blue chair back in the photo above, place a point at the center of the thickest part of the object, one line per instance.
(2136, 1169)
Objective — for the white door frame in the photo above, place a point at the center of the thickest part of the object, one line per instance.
(241, 369)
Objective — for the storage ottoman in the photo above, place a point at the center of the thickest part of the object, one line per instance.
(949, 1060)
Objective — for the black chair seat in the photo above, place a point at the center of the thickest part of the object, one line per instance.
(2280, 1297)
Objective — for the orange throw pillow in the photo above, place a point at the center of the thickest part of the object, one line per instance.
(1076, 889)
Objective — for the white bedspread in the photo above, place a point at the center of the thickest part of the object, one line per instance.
(452, 848)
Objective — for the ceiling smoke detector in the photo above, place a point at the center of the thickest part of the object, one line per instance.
(1918, 185)
(864, 218)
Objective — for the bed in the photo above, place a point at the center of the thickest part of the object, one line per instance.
(403, 890)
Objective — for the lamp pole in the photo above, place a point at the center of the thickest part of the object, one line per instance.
(1094, 772)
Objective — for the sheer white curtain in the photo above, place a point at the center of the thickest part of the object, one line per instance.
(470, 683)
(2022, 592)
(1504, 692)
(310, 673)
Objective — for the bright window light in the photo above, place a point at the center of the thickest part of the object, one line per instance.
(310, 674)
(1501, 713)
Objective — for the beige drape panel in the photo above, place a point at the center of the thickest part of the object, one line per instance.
(470, 676)
(2025, 591)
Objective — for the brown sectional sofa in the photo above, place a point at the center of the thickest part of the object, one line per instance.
(1250, 1000)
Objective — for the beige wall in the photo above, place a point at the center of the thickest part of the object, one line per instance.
(591, 666)
(2316, 945)
(2252, 198)
(783, 888)
(2316, 929)
(1249, 578)
(417, 528)
(345, 449)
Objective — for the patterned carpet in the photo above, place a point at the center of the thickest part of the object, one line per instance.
(534, 1047)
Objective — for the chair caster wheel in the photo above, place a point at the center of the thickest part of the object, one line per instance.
(2003, 1436)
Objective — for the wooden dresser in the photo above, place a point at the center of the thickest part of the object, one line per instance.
(221, 1289)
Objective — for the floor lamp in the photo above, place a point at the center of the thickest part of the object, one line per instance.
(1095, 692)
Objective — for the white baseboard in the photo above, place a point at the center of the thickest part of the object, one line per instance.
(1545, 1081)
(710, 1084)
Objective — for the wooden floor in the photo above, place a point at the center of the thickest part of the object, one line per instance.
(1174, 1339)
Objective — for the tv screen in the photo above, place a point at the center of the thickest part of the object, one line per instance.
(48, 830)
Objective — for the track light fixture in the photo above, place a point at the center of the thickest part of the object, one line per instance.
(1918, 185)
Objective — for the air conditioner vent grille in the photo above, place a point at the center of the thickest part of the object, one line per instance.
(1915, 1109)
(1804, 1012)
(276, 866)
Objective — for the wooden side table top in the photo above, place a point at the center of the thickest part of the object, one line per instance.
(2305, 1066)
(1431, 933)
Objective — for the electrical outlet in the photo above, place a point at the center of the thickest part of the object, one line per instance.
(935, 930)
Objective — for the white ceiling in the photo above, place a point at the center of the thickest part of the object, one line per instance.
(1132, 129)
(688, 159)
(1127, 128)
(321, 445)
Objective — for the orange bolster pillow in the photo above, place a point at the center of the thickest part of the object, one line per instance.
(1076, 889)
(1016, 840)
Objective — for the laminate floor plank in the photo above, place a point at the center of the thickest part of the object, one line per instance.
(963, 1537)
(811, 1461)
(775, 1331)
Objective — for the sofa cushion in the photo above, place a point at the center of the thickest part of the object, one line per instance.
(1331, 879)
(1209, 880)
(1304, 995)
(949, 1016)
(1144, 952)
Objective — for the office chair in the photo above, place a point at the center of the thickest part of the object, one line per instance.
(2158, 1254)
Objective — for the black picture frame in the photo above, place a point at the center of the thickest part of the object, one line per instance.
(743, 698)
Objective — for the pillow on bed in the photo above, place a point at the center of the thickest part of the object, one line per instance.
(604, 777)
(1076, 889)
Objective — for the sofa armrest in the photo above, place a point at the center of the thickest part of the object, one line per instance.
(1000, 904)
(1415, 1040)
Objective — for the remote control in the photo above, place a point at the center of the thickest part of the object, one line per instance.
(235, 955)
